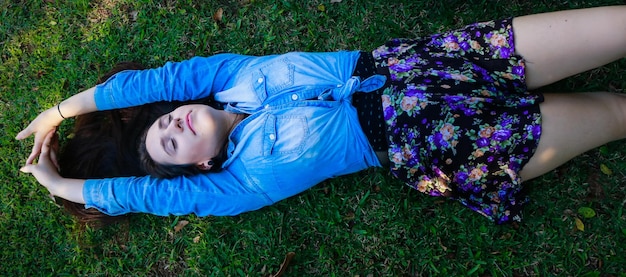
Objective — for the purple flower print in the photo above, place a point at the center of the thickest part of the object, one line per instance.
(502, 193)
(501, 135)
(482, 142)
(461, 177)
(410, 136)
(506, 52)
(482, 71)
(537, 131)
(389, 112)
(413, 161)
(450, 38)
(413, 91)
(487, 211)
(464, 45)
(415, 59)
(507, 121)
(401, 67)
(453, 99)
(467, 111)
(518, 70)
(437, 140)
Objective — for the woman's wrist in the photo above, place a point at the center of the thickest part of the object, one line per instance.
(59, 110)
(53, 116)
(68, 189)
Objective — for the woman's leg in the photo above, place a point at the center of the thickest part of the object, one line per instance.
(560, 44)
(573, 124)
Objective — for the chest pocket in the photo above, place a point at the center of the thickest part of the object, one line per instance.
(273, 77)
(285, 134)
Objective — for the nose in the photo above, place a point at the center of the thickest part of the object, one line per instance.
(176, 125)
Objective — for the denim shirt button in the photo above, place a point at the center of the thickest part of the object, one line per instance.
(267, 106)
(294, 97)
(339, 85)
(260, 80)
(272, 137)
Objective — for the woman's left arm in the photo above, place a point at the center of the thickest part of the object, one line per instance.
(191, 79)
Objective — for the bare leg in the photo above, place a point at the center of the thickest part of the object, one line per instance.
(573, 124)
(560, 44)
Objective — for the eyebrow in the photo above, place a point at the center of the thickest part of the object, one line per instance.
(161, 122)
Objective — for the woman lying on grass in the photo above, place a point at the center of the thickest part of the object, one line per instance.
(454, 112)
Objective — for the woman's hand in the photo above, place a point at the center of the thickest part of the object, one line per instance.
(46, 170)
(49, 119)
(44, 124)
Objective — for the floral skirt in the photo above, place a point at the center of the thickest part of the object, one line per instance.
(460, 120)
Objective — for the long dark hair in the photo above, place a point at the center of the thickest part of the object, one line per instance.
(104, 144)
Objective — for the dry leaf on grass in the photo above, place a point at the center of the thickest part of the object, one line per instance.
(180, 225)
(579, 224)
(284, 265)
(217, 16)
(606, 170)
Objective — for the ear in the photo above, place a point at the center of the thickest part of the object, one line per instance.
(205, 165)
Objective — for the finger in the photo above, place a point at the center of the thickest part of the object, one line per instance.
(53, 158)
(33, 155)
(35, 152)
(45, 147)
(54, 149)
(54, 143)
(26, 168)
(23, 134)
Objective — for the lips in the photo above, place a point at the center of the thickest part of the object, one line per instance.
(188, 119)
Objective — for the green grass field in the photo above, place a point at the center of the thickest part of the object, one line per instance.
(361, 225)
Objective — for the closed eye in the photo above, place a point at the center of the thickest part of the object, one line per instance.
(174, 145)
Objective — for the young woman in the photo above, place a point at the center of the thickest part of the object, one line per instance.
(455, 110)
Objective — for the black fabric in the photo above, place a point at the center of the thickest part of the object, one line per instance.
(369, 105)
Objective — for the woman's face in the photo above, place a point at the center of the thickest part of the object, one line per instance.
(191, 134)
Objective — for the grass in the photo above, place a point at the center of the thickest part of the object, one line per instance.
(360, 225)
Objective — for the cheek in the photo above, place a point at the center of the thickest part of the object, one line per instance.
(193, 150)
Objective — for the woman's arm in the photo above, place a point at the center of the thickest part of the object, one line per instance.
(215, 193)
(191, 79)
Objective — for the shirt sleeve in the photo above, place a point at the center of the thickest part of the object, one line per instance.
(217, 194)
(195, 78)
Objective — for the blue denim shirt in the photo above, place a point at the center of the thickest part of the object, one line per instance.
(301, 130)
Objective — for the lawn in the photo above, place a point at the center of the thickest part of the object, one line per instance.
(365, 224)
